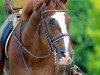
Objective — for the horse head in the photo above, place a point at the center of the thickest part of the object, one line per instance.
(56, 22)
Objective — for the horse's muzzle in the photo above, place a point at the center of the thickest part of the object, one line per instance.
(65, 60)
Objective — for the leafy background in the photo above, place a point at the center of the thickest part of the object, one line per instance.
(85, 32)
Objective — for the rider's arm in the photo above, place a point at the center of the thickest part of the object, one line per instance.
(8, 6)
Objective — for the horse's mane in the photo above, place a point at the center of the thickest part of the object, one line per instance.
(28, 9)
(33, 5)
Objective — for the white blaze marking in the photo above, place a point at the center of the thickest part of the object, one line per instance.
(60, 17)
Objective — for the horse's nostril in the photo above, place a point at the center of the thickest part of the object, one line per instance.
(63, 54)
(65, 61)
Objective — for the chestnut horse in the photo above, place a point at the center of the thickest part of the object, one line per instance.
(40, 44)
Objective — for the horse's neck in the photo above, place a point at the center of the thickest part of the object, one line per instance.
(30, 29)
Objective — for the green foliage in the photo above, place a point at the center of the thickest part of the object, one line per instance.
(85, 31)
(93, 30)
(78, 10)
(3, 14)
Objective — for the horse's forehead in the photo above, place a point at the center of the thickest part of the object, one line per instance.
(60, 18)
(58, 15)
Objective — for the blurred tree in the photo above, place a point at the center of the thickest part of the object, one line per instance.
(82, 43)
(93, 30)
(3, 14)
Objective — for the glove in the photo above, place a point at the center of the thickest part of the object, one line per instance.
(76, 70)
(8, 6)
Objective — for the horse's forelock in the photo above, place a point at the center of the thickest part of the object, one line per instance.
(60, 5)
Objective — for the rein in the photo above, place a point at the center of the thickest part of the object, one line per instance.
(27, 51)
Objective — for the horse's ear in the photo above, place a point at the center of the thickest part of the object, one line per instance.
(64, 1)
(47, 2)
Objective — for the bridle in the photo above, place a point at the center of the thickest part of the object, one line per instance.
(51, 41)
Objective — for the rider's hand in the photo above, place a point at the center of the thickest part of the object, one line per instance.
(75, 72)
(8, 7)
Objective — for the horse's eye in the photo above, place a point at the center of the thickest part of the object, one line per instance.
(51, 21)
